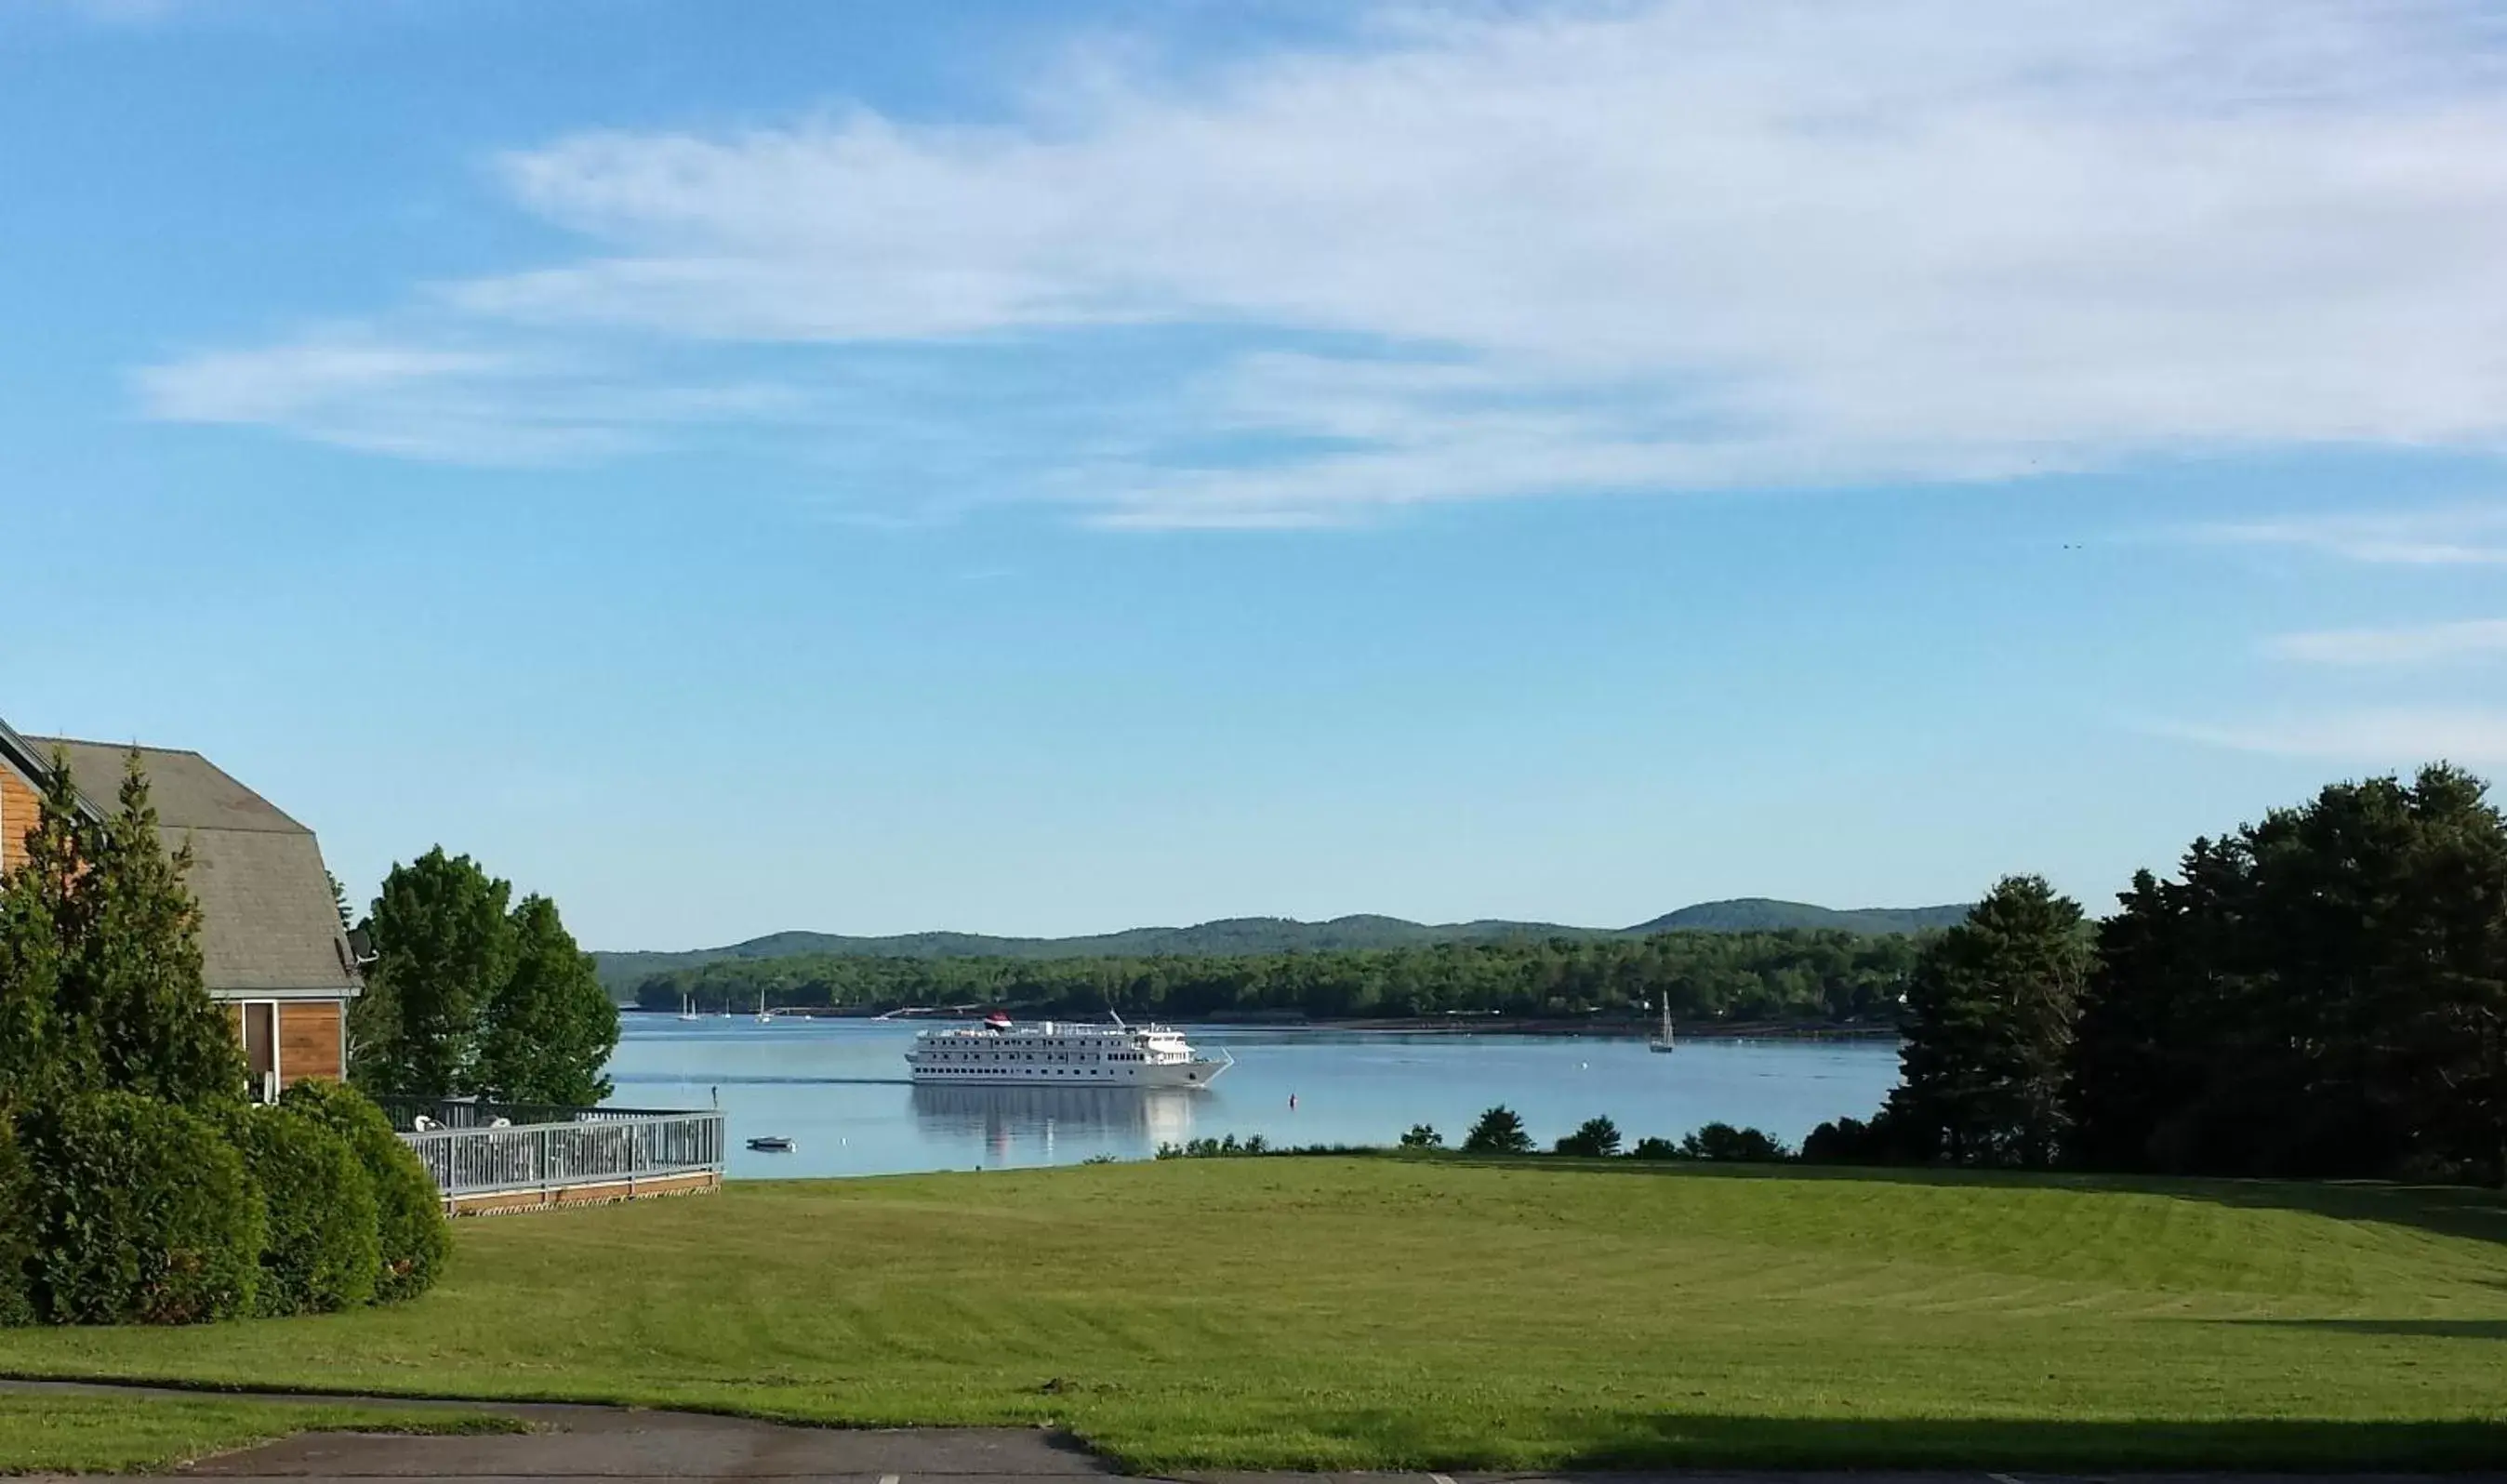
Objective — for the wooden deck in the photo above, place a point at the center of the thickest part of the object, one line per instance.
(485, 1158)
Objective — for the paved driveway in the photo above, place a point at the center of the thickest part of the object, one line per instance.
(636, 1447)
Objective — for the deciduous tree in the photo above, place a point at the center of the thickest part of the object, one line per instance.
(546, 1033)
(443, 949)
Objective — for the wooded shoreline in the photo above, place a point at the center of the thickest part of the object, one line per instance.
(1442, 1025)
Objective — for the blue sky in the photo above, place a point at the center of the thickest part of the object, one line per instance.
(1050, 469)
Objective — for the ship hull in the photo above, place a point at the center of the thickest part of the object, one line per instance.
(1184, 1074)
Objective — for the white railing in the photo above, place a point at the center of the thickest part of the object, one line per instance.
(549, 1157)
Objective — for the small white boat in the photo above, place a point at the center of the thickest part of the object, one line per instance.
(1663, 1043)
(773, 1143)
(687, 1007)
(763, 1018)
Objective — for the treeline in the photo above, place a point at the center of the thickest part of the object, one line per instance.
(2320, 993)
(1748, 976)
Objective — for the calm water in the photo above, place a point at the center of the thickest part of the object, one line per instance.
(838, 1089)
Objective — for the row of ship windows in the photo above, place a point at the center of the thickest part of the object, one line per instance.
(996, 1056)
(995, 1071)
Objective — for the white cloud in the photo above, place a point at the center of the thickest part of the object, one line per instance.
(452, 406)
(2417, 645)
(2382, 738)
(1626, 248)
(2464, 536)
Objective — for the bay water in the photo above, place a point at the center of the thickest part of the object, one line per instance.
(838, 1090)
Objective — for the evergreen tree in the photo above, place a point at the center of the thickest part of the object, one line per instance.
(138, 973)
(1593, 1139)
(547, 1032)
(2377, 912)
(1990, 1011)
(443, 950)
(2168, 1011)
(1500, 1130)
(29, 986)
(100, 982)
(52, 1046)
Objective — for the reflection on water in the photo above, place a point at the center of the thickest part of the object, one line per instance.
(1053, 1116)
(838, 1089)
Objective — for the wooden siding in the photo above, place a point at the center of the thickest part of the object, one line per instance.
(19, 807)
(309, 1041)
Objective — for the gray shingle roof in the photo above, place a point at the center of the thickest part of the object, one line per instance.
(267, 923)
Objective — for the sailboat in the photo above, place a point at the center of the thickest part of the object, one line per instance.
(763, 1018)
(1663, 1043)
(687, 1007)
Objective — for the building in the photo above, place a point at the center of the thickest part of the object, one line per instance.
(270, 940)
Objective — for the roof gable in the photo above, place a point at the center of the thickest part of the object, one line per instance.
(268, 920)
(31, 761)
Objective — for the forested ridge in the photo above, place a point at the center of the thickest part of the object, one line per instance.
(1228, 937)
(1825, 976)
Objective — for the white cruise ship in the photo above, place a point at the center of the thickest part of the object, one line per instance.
(1000, 1053)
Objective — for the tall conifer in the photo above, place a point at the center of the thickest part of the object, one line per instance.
(1990, 1011)
(158, 1031)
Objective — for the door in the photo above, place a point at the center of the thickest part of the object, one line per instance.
(260, 1042)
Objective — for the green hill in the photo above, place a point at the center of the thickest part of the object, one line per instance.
(1760, 914)
(622, 972)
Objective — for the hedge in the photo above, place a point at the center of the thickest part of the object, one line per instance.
(145, 1215)
(319, 1248)
(415, 1238)
(18, 1228)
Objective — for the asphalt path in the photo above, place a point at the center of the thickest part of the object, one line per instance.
(633, 1446)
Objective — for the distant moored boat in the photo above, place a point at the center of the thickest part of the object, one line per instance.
(1663, 1041)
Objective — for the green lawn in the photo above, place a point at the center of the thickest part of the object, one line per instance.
(1430, 1313)
(55, 1432)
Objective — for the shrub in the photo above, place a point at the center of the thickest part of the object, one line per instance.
(1594, 1138)
(415, 1237)
(1721, 1140)
(1423, 1135)
(1655, 1148)
(1500, 1130)
(1887, 1139)
(320, 1249)
(146, 1214)
(1214, 1148)
(18, 1216)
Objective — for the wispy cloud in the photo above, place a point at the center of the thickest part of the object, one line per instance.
(454, 406)
(115, 12)
(2393, 738)
(2460, 536)
(1627, 247)
(2417, 645)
